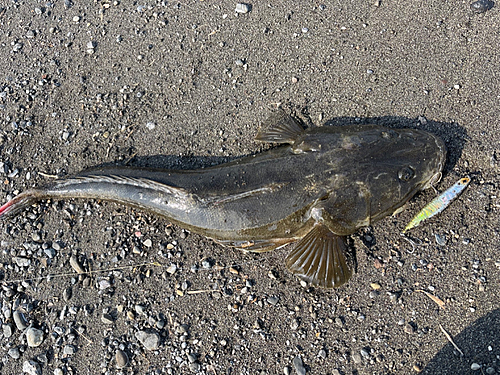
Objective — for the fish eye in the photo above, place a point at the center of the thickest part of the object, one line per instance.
(406, 173)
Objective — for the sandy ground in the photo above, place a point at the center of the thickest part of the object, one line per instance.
(186, 84)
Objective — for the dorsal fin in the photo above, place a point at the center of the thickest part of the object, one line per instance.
(280, 128)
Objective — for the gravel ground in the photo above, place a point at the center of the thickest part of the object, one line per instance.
(185, 85)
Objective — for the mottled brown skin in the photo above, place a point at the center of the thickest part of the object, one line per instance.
(341, 178)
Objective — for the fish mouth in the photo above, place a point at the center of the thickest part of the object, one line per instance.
(433, 181)
(436, 177)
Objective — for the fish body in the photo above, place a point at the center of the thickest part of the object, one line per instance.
(439, 203)
(320, 185)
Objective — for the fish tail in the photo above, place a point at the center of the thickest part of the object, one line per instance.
(19, 203)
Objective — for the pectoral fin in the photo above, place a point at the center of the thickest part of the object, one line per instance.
(320, 258)
(280, 128)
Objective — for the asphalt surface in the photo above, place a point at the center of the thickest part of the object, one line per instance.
(187, 85)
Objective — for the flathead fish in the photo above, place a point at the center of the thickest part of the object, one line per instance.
(320, 185)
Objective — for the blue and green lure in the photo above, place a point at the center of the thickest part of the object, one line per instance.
(439, 203)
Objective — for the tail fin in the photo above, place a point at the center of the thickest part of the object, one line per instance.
(19, 203)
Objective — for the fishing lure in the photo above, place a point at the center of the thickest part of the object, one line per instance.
(439, 203)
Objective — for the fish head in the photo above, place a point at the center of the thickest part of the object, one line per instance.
(407, 161)
(376, 171)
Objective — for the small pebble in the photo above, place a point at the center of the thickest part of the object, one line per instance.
(393, 297)
(69, 350)
(440, 239)
(104, 284)
(243, 8)
(67, 293)
(140, 309)
(14, 353)
(364, 353)
(21, 261)
(50, 252)
(121, 359)
(150, 340)
(322, 353)
(107, 319)
(373, 294)
(481, 6)
(20, 320)
(299, 366)
(7, 330)
(408, 328)
(422, 120)
(150, 125)
(195, 367)
(32, 368)
(475, 366)
(15, 172)
(273, 300)
(172, 268)
(356, 357)
(73, 261)
(34, 337)
(148, 243)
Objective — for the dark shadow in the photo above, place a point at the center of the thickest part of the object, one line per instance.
(479, 342)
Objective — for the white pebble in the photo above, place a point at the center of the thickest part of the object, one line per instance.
(32, 368)
(34, 337)
(172, 268)
(242, 8)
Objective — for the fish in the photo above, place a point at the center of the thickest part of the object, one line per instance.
(315, 187)
(439, 203)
